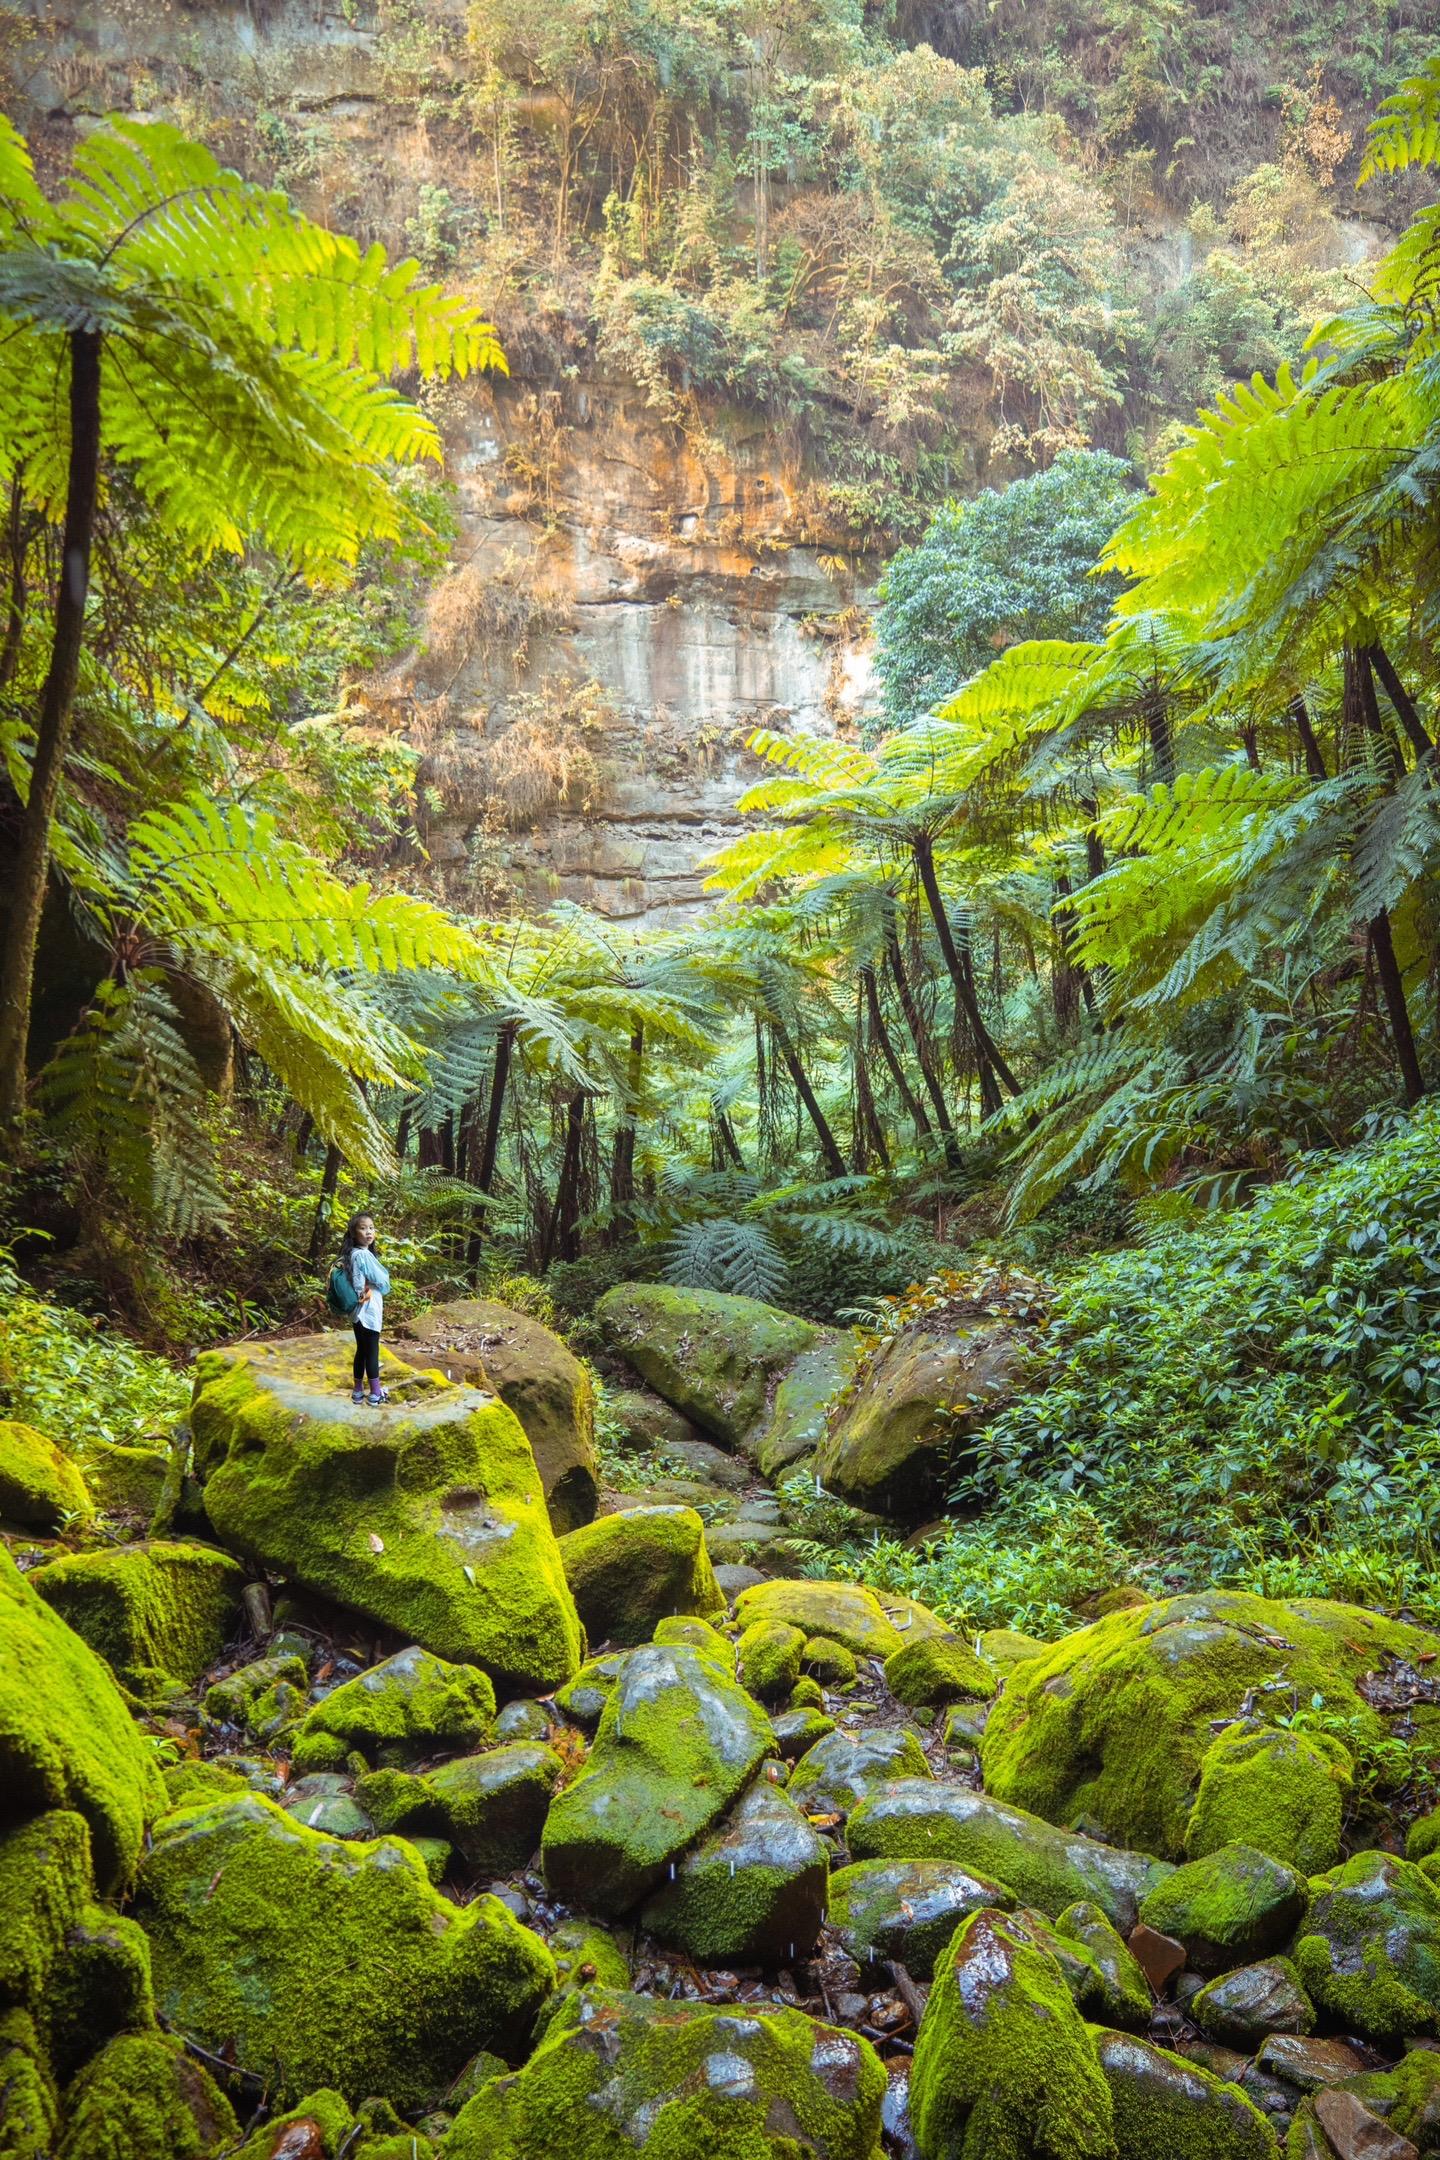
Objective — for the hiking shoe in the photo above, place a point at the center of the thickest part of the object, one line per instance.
(357, 1394)
(376, 1400)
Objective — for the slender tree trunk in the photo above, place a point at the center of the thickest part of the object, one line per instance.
(1309, 745)
(499, 1078)
(57, 711)
(402, 1129)
(730, 1146)
(1392, 989)
(915, 1022)
(829, 1148)
(1068, 974)
(302, 1136)
(1400, 698)
(869, 1132)
(561, 1224)
(879, 1033)
(325, 1209)
(987, 1050)
(15, 597)
(622, 1166)
(1161, 735)
(1250, 737)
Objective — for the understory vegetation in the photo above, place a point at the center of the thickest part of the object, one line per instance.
(1112, 954)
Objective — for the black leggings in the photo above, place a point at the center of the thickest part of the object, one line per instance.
(367, 1356)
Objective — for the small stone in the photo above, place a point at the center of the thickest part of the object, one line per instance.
(1356, 2134)
(965, 1726)
(1307, 2064)
(1159, 1956)
(798, 1730)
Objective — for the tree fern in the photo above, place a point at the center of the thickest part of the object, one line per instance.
(740, 1258)
(1406, 130)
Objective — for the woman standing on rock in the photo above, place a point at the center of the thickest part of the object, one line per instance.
(371, 1282)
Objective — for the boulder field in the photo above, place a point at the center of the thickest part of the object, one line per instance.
(379, 1809)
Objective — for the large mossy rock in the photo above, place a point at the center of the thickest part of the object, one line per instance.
(535, 1375)
(618, 2073)
(1166, 2106)
(918, 1819)
(888, 1447)
(66, 1738)
(1282, 1791)
(840, 1611)
(628, 1571)
(1113, 1724)
(322, 1962)
(1368, 1954)
(427, 1516)
(907, 1910)
(795, 1427)
(145, 2098)
(158, 1613)
(714, 1357)
(491, 1807)
(39, 1485)
(835, 1775)
(410, 1705)
(678, 1741)
(1228, 1909)
(752, 1892)
(1004, 2067)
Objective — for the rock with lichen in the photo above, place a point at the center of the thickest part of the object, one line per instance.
(630, 1570)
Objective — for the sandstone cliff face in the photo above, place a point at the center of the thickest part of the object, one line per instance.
(605, 567)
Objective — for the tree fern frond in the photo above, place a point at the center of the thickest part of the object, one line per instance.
(740, 1258)
(1406, 130)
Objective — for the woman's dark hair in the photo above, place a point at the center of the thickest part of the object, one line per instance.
(352, 1243)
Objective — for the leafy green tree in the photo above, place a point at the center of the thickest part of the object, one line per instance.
(1010, 564)
(168, 322)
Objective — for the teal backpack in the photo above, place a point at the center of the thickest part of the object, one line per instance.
(340, 1293)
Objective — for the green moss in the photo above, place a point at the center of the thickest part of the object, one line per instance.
(29, 2105)
(1235, 1905)
(1113, 1724)
(189, 1781)
(751, 1892)
(158, 1613)
(537, 1377)
(677, 1742)
(428, 1517)
(411, 1705)
(125, 1481)
(843, 1611)
(807, 1694)
(315, 2130)
(1424, 1837)
(699, 1635)
(100, 1986)
(795, 1732)
(938, 1669)
(1116, 1990)
(583, 1699)
(1167, 2108)
(39, 1485)
(628, 1571)
(712, 1356)
(1004, 2067)
(491, 1807)
(229, 1701)
(144, 2098)
(587, 1956)
(684, 2081)
(1005, 1648)
(833, 1777)
(1045, 1867)
(321, 1960)
(1369, 1951)
(796, 1424)
(830, 1662)
(768, 1659)
(1406, 2097)
(44, 1887)
(1281, 1791)
(907, 1910)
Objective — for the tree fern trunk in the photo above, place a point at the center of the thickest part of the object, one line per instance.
(15, 596)
(829, 1148)
(987, 1050)
(560, 1228)
(622, 1164)
(1314, 756)
(914, 1108)
(1400, 698)
(490, 1145)
(324, 1211)
(57, 709)
(915, 1022)
(1392, 989)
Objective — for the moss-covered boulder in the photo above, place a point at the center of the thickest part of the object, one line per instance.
(29, 2102)
(491, 1807)
(145, 2098)
(678, 1742)
(1166, 2106)
(915, 1819)
(1114, 1723)
(906, 1910)
(1242, 2008)
(829, 1662)
(1005, 1648)
(795, 1425)
(845, 1612)
(582, 1700)
(317, 2129)
(751, 1892)
(427, 1516)
(888, 1446)
(157, 1612)
(526, 1364)
(325, 1962)
(323, 1800)
(795, 1731)
(684, 2081)
(1228, 1909)
(628, 1571)
(937, 1669)
(1385, 2115)
(231, 1701)
(40, 1486)
(1003, 2063)
(66, 1738)
(1115, 1990)
(45, 1885)
(1368, 1954)
(410, 1705)
(714, 1357)
(835, 1775)
(124, 1481)
(1282, 1791)
(768, 1659)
